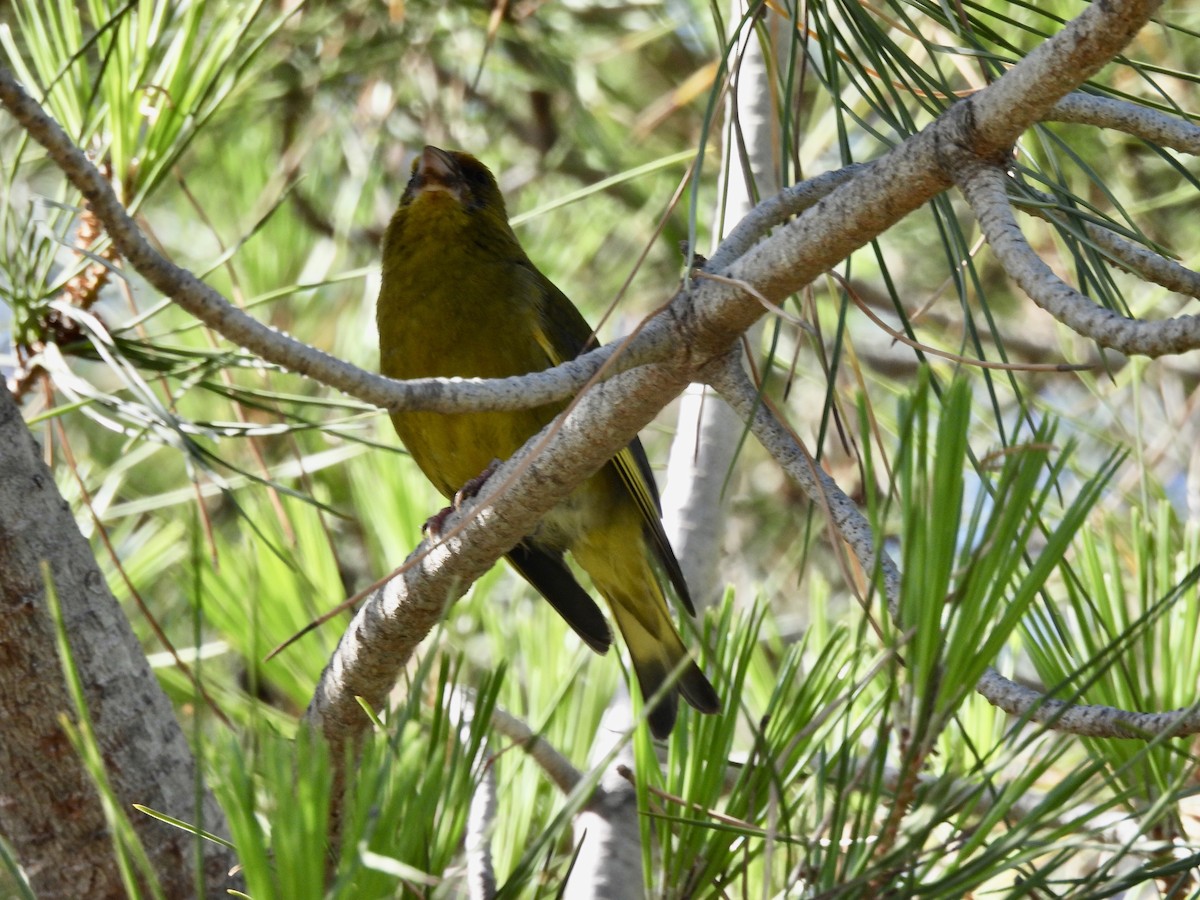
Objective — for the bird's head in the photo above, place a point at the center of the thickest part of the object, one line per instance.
(446, 176)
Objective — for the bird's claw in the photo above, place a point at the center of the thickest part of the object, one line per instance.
(433, 525)
(472, 487)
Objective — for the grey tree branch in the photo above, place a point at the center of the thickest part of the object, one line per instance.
(1146, 263)
(776, 210)
(729, 380)
(1075, 718)
(553, 763)
(1121, 115)
(984, 187)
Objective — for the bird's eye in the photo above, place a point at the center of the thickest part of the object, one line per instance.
(479, 183)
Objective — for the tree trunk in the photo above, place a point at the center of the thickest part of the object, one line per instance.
(50, 810)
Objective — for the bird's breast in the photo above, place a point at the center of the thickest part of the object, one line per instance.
(464, 318)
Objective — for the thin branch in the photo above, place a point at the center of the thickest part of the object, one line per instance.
(1121, 115)
(1133, 257)
(984, 186)
(481, 819)
(1077, 718)
(1146, 263)
(776, 210)
(729, 379)
(1095, 721)
(549, 760)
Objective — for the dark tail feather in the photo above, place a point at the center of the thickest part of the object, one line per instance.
(656, 649)
(662, 716)
(698, 691)
(692, 684)
(553, 580)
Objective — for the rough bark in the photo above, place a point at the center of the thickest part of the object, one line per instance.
(50, 812)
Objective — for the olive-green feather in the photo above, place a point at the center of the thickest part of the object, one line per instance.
(459, 297)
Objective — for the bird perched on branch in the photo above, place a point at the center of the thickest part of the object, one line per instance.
(460, 298)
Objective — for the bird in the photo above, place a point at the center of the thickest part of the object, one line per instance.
(460, 297)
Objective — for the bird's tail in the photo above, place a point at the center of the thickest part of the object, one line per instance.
(657, 650)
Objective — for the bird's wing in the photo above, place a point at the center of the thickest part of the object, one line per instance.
(563, 333)
(634, 469)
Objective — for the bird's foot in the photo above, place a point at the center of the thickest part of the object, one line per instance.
(433, 525)
(472, 487)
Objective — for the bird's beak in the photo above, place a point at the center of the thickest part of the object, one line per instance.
(437, 171)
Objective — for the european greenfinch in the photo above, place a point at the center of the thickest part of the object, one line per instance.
(459, 297)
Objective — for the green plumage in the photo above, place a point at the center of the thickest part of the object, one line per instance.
(460, 298)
